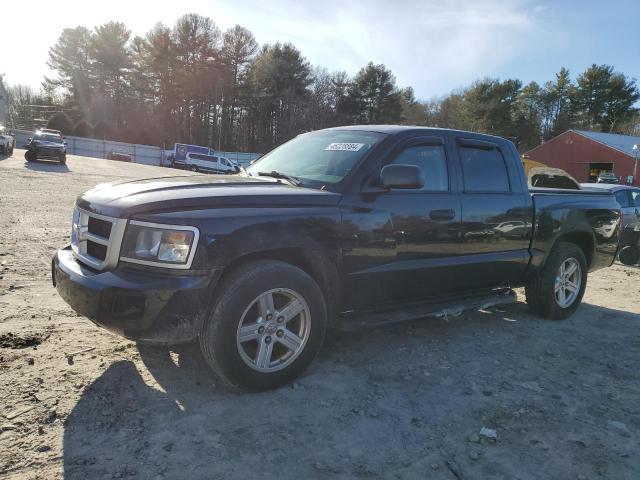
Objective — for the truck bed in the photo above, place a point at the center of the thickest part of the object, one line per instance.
(566, 191)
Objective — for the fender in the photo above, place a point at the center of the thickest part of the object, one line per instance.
(593, 228)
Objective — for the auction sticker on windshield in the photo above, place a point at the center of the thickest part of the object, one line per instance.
(344, 147)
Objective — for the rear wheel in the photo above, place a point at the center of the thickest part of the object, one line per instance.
(266, 325)
(557, 291)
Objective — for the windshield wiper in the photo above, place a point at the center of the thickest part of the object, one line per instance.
(275, 174)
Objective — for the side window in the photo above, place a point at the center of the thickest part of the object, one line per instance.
(433, 162)
(483, 170)
(622, 197)
(635, 198)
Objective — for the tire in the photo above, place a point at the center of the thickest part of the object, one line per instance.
(4, 149)
(236, 363)
(194, 168)
(629, 255)
(30, 156)
(63, 159)
(11, 150)
(541, 294)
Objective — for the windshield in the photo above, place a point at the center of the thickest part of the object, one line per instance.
(326, 156)
(45, 137)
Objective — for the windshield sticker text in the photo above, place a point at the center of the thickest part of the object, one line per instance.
(344, 147)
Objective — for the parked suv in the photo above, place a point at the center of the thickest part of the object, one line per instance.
(352, 226)
(46, 144)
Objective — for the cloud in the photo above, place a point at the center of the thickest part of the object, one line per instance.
(434, 46)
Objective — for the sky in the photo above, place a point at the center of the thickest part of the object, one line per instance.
(435, 46)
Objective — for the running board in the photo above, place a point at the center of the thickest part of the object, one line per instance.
(453, 308)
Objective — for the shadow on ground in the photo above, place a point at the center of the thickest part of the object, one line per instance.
(52, 166)
(402, 401)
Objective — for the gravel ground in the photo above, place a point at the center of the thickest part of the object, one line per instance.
(495, 394)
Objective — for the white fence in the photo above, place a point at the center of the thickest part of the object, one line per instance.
(146, 154)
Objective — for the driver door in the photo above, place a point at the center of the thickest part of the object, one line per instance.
(407, 240)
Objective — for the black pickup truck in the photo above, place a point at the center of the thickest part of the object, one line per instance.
(353, 226)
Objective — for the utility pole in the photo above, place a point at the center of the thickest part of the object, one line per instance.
(636, 150)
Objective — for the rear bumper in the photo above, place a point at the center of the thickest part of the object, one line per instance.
(142, 306)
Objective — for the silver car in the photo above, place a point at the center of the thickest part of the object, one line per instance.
(628, 196)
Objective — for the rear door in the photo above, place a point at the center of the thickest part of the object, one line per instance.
(629, 200)
(633, 211)
(496, 215)
(623, 197)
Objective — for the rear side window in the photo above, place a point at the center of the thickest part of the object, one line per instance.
(623, 198)
(635, 198)
(483, 170)
(200, 156)
(432, 161)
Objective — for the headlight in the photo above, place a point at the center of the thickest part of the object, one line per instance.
(170, 246)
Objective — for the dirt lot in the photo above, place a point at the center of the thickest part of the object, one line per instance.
(405, 401)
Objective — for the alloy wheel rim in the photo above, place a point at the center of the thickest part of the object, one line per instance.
(273, 330)
(567, 283)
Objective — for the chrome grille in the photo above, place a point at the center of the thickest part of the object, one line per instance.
(96, 239)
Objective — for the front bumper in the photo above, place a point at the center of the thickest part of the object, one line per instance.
(49, 152)
(143, 306)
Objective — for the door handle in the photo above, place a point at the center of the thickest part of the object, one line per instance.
(445, 214)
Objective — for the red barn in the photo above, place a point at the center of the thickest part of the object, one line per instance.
(585, 154)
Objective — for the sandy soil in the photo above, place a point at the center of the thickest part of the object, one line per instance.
(404, 401)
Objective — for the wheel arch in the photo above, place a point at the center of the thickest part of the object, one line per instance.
(583, 240)
(315, 263)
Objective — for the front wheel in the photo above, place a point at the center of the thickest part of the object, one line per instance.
(63, 159)
(557, 291)
(194, 168)
(266, 326)
(30, 156)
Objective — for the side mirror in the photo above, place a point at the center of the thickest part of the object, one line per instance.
(401, 176)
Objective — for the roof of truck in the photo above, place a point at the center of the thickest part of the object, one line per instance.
(392, 129)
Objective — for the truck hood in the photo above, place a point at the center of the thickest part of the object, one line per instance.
(166, 194)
